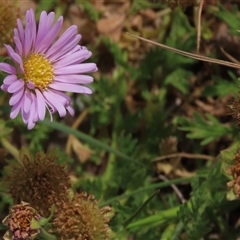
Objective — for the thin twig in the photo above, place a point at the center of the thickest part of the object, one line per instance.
(174, 187)
(229, 56)
(199, 24)
(187, 54)
(185, 155)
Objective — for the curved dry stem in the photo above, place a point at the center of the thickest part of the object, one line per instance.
(187, 54)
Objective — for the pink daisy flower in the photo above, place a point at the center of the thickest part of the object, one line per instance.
(44, 69)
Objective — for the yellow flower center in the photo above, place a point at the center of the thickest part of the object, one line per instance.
(38, 70)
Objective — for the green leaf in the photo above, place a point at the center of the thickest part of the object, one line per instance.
(24, 152)
(35, 224)
(89, 9)
(45, 6)
(227, 158)
(156, 219)
(221, 87)
(208, 130)
(229, 17)
(179, 79)
(43, 221)
(127, 222)
(231, 196)
(4, 129)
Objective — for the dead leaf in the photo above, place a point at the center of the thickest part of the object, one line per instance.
(112, 26)
(166, 168)
(82, 152)
(183, 173)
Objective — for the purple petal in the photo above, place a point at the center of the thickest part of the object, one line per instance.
(50, 36)
(41, 26)
(16, 86)
(41, 105)
(27, 40)
(36, 118)
(25, 116)
(7, 68)
(10, 79)
(74, 58)
(30, 85)
(69, 46)
(16, 97)
(16, 108)
(19, 46)
(27, 101)
(4, 87)
(15, 56)
(20, 30)
(70, 52)
(66, 37)
(84, 79)
(78, 68)
(70, 88)
(16, 33)
(60, 108)
(31, 23)
(70, 110)
(45, 23)
(63, 97)
(31, 123)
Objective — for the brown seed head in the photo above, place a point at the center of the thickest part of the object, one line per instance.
(40, 181)
(9, 13)
(20, 221)
(235, 109)
(235, 172)
(81, 219)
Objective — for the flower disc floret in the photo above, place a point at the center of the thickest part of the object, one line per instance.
(44, 68)
(38, 70)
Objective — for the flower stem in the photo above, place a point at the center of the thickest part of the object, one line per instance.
(10, 148)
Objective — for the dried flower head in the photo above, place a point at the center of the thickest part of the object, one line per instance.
(235, 109)
(82, 219)
(22, 223)
(40, 181)
(8, 15)
(44, 69)
(235, 172)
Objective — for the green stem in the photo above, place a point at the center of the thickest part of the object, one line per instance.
(129, 220)
(106, 176)
(85, 137)
(157, 219)
(10, 148)
(45, 235)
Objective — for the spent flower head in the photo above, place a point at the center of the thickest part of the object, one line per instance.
(235, 109)
(234, 172)
(81, 218)
(37, 180)
(44, 69)
(8, 14)
(22, 222)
